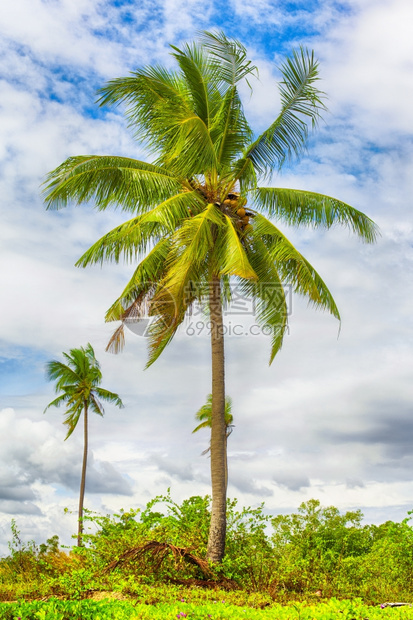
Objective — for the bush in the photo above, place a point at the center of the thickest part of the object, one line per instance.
(314, 552)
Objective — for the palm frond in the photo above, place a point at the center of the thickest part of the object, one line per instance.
(230, 131)
(143, 304)
(191, 244)
(301, 103)
(190, 150)
(298, 207)
(185, 265)
(232, 257)
(174, 210)
(90, 356)
(152, 96)
(164, 85)
(63, 398)
(72, 416)
(63, 374)
(117, 340)
(135, 237)
(128, 240)
(293, 269)
(129, 184)
(110, 397)
(206, 424)
(85, 364)
(198, 73)
(244, 172)
(161, 332)
(95, 405)
(271, 311)
(229, 57)
(150, 88)
(149, 271)
(161, 111)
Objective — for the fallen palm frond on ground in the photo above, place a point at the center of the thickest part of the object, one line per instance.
(159, 551)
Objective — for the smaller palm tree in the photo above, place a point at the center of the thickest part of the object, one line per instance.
(204, 415)
(78, 381)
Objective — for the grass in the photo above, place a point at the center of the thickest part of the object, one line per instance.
(55, 609)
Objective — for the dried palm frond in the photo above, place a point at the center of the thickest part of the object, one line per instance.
(159, 551)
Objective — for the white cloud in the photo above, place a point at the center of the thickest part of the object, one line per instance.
(64, 32)
(255, 11)
(37, 467)
(368, 68)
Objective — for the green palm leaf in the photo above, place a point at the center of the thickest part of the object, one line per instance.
(204, 414)
(191, 244)
(149, 271)
(298, 207)
(245, 174)
(60, 400)
(293, 268)
(232, 257)
(271, 311)
(109, 181)
(153, 96)
(230, 131)
(185, 264)
(198, 73)
(301, 102)
(109, 397)
(136, 236)
(128, 240)
(229, 57)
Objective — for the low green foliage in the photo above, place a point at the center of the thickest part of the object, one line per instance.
(320, 549)
(312, 555)
(216, 610)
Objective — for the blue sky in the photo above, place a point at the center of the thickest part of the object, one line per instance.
(332, 418)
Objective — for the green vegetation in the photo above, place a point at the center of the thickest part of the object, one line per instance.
(154, 557)
(216, 610)
(200, 220)
(204, 416)
(77, 384)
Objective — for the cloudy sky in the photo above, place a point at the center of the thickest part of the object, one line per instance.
(332, 417)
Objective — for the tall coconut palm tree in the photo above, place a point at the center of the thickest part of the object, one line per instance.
(78, 383)
(204, 416)
(200, 221)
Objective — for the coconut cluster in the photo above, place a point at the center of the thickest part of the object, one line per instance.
(236, 208)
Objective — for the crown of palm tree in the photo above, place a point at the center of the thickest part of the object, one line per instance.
(204, 415)
(186, 205)
(79, 381)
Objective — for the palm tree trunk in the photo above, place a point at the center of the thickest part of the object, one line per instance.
(83, 478)
(217, 530)
(226, 462)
